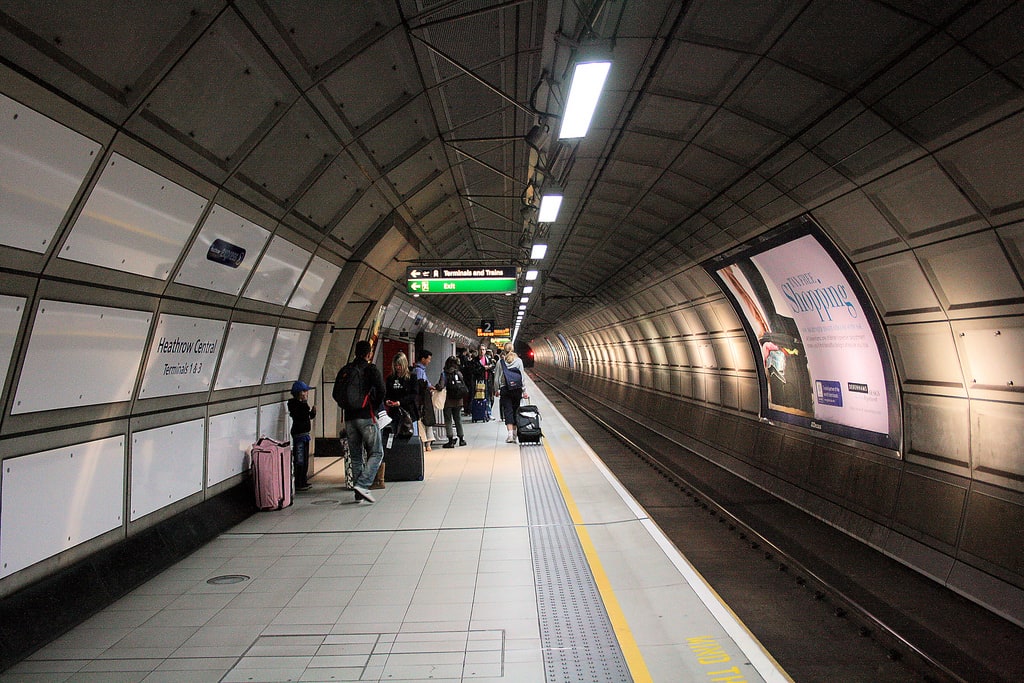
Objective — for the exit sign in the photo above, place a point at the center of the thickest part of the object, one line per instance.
(461, 280)
(464, 286)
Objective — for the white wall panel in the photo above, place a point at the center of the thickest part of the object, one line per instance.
(937, 427)
(925, 354)
(956, 264)
(992, 351)
(274, 421)
(11, 309)
(920, 200)
(42, 165)
(56, 499)
(855, 223)
(315, 285)
(182, 356)
(135, 220)
(166, 466)
(245, 356)
(220, 224)
(997, 432)
(81, 355)
(898, 286)
(231, 435)
(277, 272)
(286, 358)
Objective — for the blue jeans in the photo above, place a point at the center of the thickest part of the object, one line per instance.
(363, 433)
(300, 454)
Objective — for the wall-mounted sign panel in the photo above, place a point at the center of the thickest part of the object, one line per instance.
(466, 286)
(183, 355)
(229, 437)
(503, 332)
(42, 165)
(59, 498)
(464, 280)
(824, 362)
(226, 228)
(92, 353)
(135, 220)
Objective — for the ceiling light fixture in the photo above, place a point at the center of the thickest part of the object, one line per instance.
(524, 300)
(587, 82)
(532, 274)
(538, 251)
(550, 203)
(528, 289)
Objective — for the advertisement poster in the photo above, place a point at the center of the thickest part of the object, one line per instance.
(824, 363)
(183, 356)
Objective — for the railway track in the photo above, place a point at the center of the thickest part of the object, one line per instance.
(824, 604)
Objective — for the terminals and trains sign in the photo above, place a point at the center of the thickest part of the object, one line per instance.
(461, 280)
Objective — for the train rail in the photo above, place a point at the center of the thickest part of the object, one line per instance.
(883, 642)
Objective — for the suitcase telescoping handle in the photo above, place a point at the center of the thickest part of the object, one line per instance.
(276, 443)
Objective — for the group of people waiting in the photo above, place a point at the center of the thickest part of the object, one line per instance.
(409, 389)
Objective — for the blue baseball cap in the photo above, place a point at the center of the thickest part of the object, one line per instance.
(299, 386)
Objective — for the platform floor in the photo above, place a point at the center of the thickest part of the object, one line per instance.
(506, 563)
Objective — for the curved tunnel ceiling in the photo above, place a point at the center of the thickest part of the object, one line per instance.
(719, 121)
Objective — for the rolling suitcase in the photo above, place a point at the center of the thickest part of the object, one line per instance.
(528, 424)
(272, 474)
(480, 410)
(403, 458)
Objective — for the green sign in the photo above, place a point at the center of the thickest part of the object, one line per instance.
(494, 285)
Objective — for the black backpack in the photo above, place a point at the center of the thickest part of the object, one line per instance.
(349, 389)
(456, 386)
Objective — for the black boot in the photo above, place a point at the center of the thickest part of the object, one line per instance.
(450, 444)
(462, 442)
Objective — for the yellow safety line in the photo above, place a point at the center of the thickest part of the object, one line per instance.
(630, 649)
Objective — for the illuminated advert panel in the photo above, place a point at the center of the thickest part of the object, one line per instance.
(824, 363)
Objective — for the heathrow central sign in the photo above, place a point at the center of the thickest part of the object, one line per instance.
(461, 280)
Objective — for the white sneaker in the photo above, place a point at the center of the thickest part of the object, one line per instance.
(510, 438)
(364, 494)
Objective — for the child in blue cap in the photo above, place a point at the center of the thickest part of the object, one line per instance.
(302, 415)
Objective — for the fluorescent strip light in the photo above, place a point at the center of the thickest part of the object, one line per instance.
(531, 274)
(538, 251)
(523, 307)
(587, 82)
(549, 206)
(524, 300)
(528, 290)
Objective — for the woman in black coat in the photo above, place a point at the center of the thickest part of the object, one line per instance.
(400, 388)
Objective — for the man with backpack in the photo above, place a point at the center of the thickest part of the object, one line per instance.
(358, 390)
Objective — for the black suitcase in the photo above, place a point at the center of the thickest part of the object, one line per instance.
(528, 424)
(403, 458)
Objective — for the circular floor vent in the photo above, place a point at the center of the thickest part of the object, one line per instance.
(227, 579)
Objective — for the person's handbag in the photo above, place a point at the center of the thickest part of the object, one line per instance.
(401, 422)
(439, 397)
(513, 378)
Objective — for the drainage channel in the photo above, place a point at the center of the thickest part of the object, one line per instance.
(577, 637)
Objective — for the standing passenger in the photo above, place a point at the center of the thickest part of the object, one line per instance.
(508, 387)
(400, 387)
(302, 424)
(453, 380)
(423, 402)
(360, 408)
